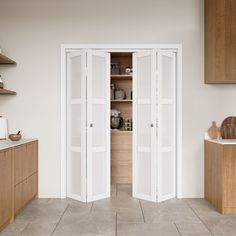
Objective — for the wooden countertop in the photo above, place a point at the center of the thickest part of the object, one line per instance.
(5, 144)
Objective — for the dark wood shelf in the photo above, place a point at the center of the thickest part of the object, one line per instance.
(122, 77)
(7, 92)
(124, 100)
(6, 60)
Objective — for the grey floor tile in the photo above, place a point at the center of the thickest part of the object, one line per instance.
(39, 228)
(131, 229)
(124, 190)
(193, 229)
(15, 228)
(82, 225)
(134, 216)
(116, 204)
(113, 190)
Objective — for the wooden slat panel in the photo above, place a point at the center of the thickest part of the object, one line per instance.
(213, 174)
(229, 176)
(121, 157)
(5, 187)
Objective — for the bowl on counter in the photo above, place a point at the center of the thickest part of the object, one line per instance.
(15, 137)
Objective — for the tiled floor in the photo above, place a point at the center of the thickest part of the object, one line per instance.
(120, 215)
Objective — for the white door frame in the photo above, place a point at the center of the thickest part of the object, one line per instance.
(65, 48)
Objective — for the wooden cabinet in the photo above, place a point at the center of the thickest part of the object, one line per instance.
(220, 41)
(6, 187)
(121, 157)
(18, 179)
(25, 168)
(220, 176)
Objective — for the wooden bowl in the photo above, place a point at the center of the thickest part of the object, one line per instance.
(15, 137)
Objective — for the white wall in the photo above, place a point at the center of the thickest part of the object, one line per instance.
(31, 32)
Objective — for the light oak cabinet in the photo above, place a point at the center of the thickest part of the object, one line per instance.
(18, 179)
(25, 169)
(220, 176)
(220, 41)
(6, 187)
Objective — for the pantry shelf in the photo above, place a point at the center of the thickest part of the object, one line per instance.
(124, 100)
(121, 77)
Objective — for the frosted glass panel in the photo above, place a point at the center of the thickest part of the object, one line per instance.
(144, 77)
(144, 173)
(168, 172)
(99, 77)
(99, 125)
(75, 173)
(75, 77)
(144, 122)
(99, 173)
(75, 123)
(167, 125)
(167, 77)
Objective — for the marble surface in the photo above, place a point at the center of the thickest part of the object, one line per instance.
(5, 144)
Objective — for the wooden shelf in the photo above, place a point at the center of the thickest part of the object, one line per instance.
(124, 100)
(121, 77)
(7, 92)
(6, 60)
(116, 131)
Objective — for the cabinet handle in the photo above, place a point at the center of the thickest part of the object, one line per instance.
(152, 125)
(91, 125)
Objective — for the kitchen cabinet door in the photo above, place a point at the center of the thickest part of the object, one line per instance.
(32, 158)
(98, 128)
(5, 187)
(20, 164)
(76, 125)
(166, 129)
(144, 125)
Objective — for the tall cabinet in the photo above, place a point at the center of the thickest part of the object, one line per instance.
(144, 156)
(220, 41)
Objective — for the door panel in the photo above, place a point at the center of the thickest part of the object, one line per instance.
(76, 125)
(98, 126)
(166, 126)
(144, 125)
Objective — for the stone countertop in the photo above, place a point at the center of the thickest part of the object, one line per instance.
(5, 144)
(223, 141)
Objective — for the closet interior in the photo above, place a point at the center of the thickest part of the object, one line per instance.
(121, 117)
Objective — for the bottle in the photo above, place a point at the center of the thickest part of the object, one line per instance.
(214, 131)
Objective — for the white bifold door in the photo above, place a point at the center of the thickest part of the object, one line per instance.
(88, 125)
(166, 131)
(154, 125)
(88, 136)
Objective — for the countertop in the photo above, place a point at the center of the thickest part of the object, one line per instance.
(223, 141)
(5, 144)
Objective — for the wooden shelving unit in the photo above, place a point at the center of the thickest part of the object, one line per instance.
(121, 140)
(4, 60)
(7, 92)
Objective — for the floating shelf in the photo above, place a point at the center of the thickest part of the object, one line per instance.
(124, 100)
(7, 92)
(121, 77)
(6, 60)
(116, 131)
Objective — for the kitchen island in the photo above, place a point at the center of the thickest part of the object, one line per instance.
(220, 174)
